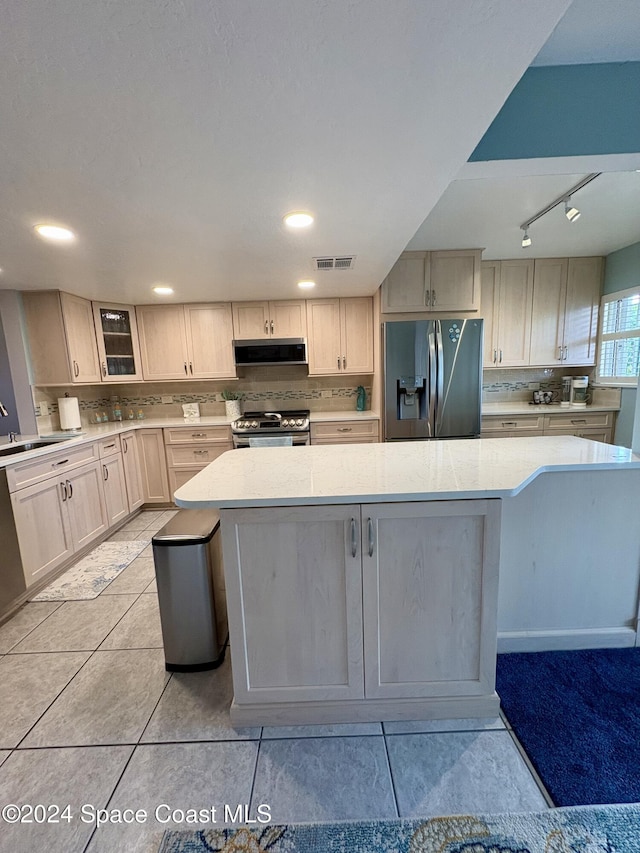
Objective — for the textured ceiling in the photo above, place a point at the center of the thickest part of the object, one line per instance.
(172, 136)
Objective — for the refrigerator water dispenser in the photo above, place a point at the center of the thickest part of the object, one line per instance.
(411, 397)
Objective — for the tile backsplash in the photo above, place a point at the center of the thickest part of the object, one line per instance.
(273, 388)
(499, 386)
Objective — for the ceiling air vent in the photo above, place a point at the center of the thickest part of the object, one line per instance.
(342, 262)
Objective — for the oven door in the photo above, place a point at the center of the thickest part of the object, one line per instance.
(240, 442)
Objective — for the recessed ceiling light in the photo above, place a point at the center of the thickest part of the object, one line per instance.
(298, 219)
(306, 284)
(55, 232)
(162, 289)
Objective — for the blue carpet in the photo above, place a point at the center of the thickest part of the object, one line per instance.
(606, 829)
(577, 715)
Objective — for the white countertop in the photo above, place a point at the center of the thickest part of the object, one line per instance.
(524, 408)
(92, 432)
(396, 471)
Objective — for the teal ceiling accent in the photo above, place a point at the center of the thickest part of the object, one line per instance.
(567, 110)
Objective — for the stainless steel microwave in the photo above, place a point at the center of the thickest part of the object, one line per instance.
(270, 351)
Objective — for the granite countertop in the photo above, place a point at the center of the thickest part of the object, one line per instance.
(396, 471)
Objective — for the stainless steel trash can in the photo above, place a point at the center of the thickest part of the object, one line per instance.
(185, 575)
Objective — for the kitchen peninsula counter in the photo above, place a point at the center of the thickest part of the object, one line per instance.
(362, 581)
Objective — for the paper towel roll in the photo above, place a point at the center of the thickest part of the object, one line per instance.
(69, 413)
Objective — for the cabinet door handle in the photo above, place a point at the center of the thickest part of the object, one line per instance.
(191, 368)
(354, 541)
(108, 446)
(272, 327)
(124, 445)
(495, 355)
(198, 435)
(63, 490)
(500, 356)
(566, 353)
(433, 298)
(76, 369)
(370, 536)
(560, 355)
(185, 368)
(57, 464)
(104, 368)
(105, 473)
(344, 429)
(200, 452)
(70, 489)
(427, 297)
(266, 327)
(338, 362)
(509, 423)
(579, 421)
(344, 362)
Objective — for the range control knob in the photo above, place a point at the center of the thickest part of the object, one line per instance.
(254, 424)
(240, 424)
(285, 423)
(298, 422)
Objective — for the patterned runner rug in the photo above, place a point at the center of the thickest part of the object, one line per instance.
(590, 829)
(93, 573)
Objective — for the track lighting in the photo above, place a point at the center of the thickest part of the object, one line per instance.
(572, 213)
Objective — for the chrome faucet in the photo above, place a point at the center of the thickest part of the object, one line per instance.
(13, 437)
(3, 412)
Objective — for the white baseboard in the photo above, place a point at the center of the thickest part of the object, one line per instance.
(549, 641)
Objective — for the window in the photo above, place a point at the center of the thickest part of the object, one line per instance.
(619, 345)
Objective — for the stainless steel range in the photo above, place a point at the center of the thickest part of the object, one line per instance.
(252, 425)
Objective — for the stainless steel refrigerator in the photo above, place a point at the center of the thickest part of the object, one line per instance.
(432, 379)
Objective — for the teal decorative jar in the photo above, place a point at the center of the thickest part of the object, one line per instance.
(361, 400)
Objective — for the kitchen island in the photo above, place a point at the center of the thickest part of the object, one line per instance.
(362, 581)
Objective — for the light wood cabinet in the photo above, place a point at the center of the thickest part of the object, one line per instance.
(598, 426)
(190, 449)
(566, 300)
(153, 466)
(345, 432)
(447, 281)
(132, 474)
(507, 301)
(186, 341)
(372, 602)
(340, 336)
(430, 591)
(62, 338)
(280, 319)
(57, 517)
(294, 596)
(115, 489)
(117, 339)
(504, 426)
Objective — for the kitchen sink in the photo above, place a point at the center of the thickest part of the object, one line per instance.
(11, 449)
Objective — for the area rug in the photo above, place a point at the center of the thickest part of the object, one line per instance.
(577, 715)
(93, 573)
(608, 829)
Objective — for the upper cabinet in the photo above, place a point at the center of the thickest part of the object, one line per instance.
(117, 337)
(447, 281)
(282, 319)
(62, 338)
(507, 298)
(186, 341)
(566, 299)
(340, 336)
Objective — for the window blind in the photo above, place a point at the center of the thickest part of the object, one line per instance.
(619, 345)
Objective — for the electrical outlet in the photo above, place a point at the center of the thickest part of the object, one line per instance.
(326, 394)
(534, 386)
(166, 398)
(42, 409)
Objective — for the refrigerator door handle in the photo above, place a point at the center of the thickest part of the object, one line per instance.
(432, 383)
(440, 373)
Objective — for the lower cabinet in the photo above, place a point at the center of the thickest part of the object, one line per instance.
(597, 426)
(58, 516)
(370, 604)
(132, 473)
(115, 489)
(190, 449)
(153, 466)
(345, 432)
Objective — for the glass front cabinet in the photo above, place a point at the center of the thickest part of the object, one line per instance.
(118, 346)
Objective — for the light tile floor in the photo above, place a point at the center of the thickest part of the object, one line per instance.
(90, 719)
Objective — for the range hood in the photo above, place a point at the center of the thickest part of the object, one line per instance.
(274, 351)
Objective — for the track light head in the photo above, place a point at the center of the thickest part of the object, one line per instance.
(526, 240)
(572, 213)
